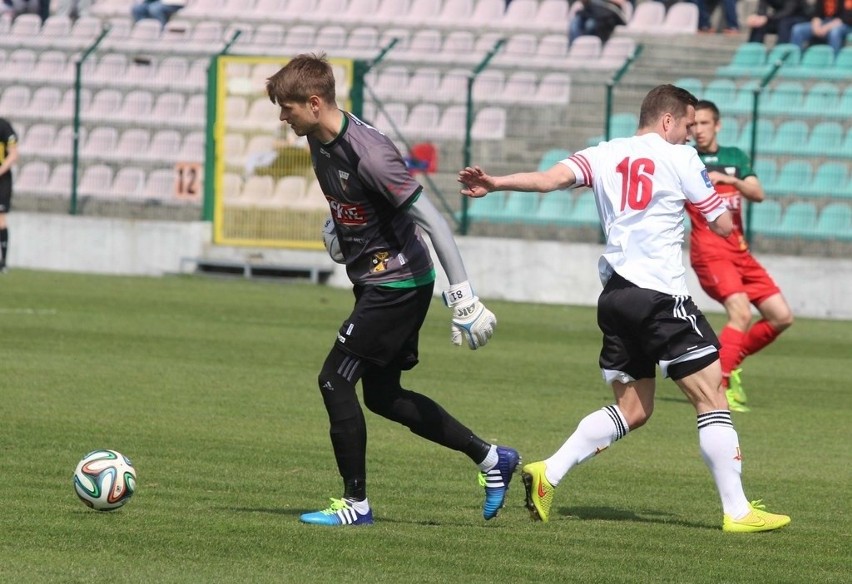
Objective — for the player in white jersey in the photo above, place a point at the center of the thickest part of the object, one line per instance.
(647, 317)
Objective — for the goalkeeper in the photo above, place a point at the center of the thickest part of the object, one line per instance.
(378, 210)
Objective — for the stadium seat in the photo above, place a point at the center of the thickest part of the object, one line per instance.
(766, 170)
(692, 84)
(519, 207)
(422, 45)
(164, 148)
(62, 146)
(168, 108)
(829, 178)
(583, 51)
(136, 107)
(451, 15)
(822, 98)
(363, 42)
(835, 222)
(489, 124)
(129, 182)
(321, 13)
(96, 181)
(748, 58)
(681, 18)
(453, 87)
(59, 184)
(314, 197)
(19, 64)
(391, 118)
(792, 178)
(551, 17)
(488, 86)
(100, 143)
(457, 45)
(15, 98)
(44, 101)
(844, 106)
(289, 192)
(552, 51)
(331, 39)
(517, 18)
(552, 157)
(487, 208)
(743, 104)
(232, 189)
(765, 135)
(799, 220)
(421, 120)
(32, 178)
(648, 17)
(519, 51)
(24, 28)
(110, 67)
(614, 53)
(38, 138)
(814, 62)
(825, 139)
(720, 92)
(358, 12)
(555, 208)
(391, 81)
(786, 54)
(83, 33)
(729, 131)
(160, 184)
(765, 217)
(55, 29)
(387, 13)
(192, 147)
(423, 83)
(788, 96)
(131, 144)
(585, 211)
(790, 136)
(841, 69)
(267, 35)
(553, 89)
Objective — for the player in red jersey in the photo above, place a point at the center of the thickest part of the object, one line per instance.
(726, 270)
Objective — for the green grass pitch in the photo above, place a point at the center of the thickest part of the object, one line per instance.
(209, 386)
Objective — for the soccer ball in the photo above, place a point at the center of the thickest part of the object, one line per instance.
(105, 480)
(329, 238)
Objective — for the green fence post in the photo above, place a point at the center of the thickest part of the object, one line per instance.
(610, 86)
(755, 107)
(465, 220)
(75, 146)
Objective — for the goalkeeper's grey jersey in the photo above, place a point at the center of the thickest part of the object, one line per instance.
(368, 188)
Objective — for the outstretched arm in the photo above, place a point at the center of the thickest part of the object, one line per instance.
(476, 183)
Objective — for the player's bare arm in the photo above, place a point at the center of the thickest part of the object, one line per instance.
(723, 224)
(749, 187)
(477, 183)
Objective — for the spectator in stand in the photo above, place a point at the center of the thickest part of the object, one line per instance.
(597, 17)
(161, 10)
(706, 9)
(776, 17)
(831, 22)
(8, 159)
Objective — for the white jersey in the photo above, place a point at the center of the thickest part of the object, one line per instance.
(641, 185)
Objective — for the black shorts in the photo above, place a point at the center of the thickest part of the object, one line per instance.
(384, 327)
(643, 327)
(5, 195)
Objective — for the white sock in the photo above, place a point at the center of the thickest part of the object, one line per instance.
(491, 459)
(721, 452)
(594, 433)
(360, 506)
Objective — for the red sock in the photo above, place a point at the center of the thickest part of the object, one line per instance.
(731, 340)
(758, 336)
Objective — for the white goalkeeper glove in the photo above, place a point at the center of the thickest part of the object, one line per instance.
(471, 320)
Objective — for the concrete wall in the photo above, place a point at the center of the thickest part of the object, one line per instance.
(529, 271)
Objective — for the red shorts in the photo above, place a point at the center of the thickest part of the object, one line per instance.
(724, 277)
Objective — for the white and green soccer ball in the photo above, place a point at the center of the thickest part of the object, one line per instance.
(329, 239)
(105, 480)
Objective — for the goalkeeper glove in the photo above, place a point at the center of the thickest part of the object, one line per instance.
(471, 320)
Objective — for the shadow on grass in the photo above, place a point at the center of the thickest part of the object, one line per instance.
(611, 514)
(378, 519)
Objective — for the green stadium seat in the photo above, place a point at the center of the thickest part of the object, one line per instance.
(846, 148)
(788, 96)
(729, 131)
(844, 105)
(799, 219)
(766, 170)
(720, 92)
(555, 208)
(821, 99)
(488, 207)
(835, 222)
(826, 139)
(585, 211)
(765, 135)
(692, 84)
(551, 157)
(748, 59)
(519, 208)
(813, 64)
(828, 179)
(790, 137)
(792, 53)
(765, 217)
(743, 102)
(792, 178)
(621, 125)
(842, 68)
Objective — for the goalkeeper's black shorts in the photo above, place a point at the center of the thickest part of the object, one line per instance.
(384, 327)
(643, 327)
